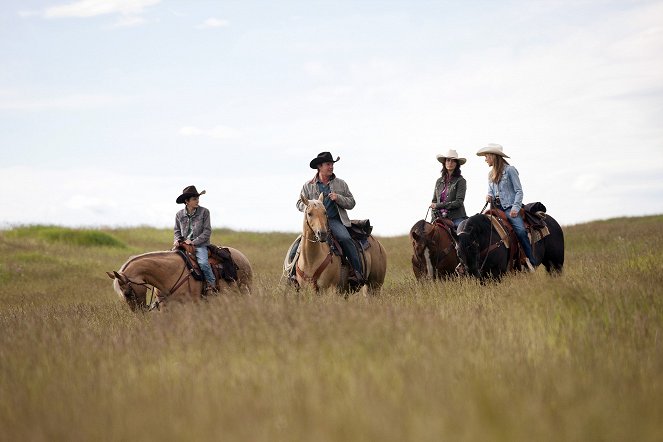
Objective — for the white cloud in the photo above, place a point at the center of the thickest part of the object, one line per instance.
(93, 8)
(217, 132)
(213, 23)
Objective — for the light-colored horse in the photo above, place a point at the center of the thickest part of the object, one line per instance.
(166, 272)
(318, 266)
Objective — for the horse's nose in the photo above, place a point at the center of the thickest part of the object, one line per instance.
(322, 235)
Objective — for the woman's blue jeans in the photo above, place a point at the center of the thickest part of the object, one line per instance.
(519, 227)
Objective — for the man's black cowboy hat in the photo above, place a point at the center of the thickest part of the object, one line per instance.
(323, 157)
(188, 192)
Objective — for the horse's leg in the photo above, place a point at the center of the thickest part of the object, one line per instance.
(553, 245)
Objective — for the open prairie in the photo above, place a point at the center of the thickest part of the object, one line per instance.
(579, 357)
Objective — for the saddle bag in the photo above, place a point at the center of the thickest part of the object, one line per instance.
(360, 229)
(226, 267)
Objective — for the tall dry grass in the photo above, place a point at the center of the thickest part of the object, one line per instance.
(534, 358)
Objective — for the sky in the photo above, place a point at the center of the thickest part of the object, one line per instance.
(109, 109)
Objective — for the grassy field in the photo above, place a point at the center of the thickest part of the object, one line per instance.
(575, 358)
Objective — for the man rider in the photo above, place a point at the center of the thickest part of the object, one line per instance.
(338, 200)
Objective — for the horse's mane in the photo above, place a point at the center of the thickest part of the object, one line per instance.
(480, 224)
(143, 255)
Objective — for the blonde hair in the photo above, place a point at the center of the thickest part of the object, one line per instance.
(499, 163)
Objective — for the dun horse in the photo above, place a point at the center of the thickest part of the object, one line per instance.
(167, 272)
(433, 251)
(319, 266)
(483, 254)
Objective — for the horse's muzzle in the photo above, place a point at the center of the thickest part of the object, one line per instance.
(321, 235)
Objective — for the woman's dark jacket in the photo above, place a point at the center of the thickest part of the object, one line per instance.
(453, 202)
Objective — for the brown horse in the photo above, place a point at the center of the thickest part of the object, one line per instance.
(434, 251)
(168, 274)
(320, 267)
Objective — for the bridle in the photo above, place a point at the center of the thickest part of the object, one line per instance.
(428, 240)
(178, 283)
(308, 224)
(491, 247)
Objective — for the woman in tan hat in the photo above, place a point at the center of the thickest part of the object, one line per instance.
(193, 227)
(506, 193)
(449, 193)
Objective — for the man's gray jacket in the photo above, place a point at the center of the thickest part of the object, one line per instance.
(344, 202)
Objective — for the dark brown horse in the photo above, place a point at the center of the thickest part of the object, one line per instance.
(484, 254)
(433, 251)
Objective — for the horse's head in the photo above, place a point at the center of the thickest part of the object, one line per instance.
(315, 218)
(418, 239)
(125, 287)
(467, 248)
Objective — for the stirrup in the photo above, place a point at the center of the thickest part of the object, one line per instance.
(529, 266)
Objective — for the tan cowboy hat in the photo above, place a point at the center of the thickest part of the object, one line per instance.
(494, 149)
(188, 192)
(451, 153)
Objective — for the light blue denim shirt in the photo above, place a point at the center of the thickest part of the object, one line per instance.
(509, 189)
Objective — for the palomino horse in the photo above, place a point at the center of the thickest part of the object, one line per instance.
(319, 266)
(167, 273)
(434, 251)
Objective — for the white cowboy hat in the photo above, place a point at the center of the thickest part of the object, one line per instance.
(494, 149)
(451, 153)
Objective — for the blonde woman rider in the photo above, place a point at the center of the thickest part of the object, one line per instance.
(506, 194)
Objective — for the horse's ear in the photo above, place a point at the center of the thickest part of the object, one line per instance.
(120, 276)
(110, 275)
(321, 197)
(303, 199)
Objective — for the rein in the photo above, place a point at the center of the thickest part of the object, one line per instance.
(491, 246)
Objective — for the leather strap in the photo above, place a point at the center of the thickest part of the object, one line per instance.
(314, 279)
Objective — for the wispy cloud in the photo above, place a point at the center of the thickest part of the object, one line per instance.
(65, 103)
(129, 21)
(213, 23)
(217, 132)
(93, 8)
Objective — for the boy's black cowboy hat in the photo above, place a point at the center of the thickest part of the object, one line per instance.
(323, 157)
(188, 192)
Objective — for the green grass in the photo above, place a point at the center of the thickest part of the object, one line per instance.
(51, 234)
(577, 358)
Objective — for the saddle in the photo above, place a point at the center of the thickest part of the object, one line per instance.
(220, 259)
(446, 224)
(533, 214)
